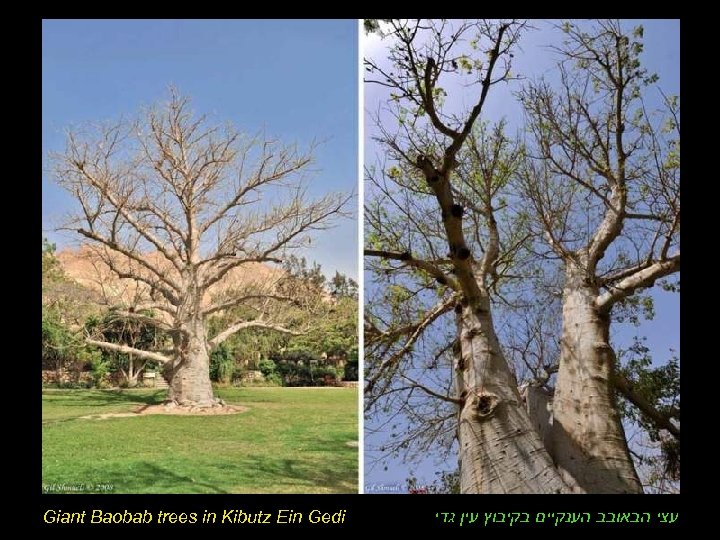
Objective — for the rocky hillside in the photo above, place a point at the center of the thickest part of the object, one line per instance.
(86, 267)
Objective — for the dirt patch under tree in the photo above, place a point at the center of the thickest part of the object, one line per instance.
(171, 408)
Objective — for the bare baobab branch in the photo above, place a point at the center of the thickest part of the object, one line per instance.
(234, 328)
(147, 355)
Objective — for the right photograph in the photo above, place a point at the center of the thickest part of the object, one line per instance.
(521, 256)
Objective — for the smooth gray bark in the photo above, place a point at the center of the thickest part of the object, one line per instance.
(500, 449)
(589, 442)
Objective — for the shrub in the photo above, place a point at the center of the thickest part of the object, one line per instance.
(222, 364)
(272, 380)
(267, 367)
(351, 371)
(99, 366)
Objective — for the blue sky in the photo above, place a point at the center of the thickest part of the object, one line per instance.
(293, 79)
(662, 56)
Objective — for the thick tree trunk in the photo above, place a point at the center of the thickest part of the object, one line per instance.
(588, 440)
(538, 402)
(500, 450)
(189, 377)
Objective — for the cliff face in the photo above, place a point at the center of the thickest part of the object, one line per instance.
(86, 267)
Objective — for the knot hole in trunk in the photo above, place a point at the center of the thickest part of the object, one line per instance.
(485, 404)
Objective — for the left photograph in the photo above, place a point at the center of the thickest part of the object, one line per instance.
(199, 256)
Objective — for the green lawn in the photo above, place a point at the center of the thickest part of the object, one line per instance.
(291, 440)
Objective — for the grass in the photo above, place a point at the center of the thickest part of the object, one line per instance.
(292, 440)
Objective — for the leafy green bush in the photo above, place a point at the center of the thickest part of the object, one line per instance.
(70, 385)
(272, 380)
(99, 367)
(267, 367)
(222, 364)
(271, 376)
(351, 370)
(326, 376)
(303, 368)
(59, 345)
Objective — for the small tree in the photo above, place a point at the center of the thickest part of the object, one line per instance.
(133, 332)
(65, 307)
(176, 205)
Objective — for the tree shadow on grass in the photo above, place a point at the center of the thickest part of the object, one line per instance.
(250, 475)
(297, 474)
(85, 398)
(64, 402)
(112, 397)
(156, 479)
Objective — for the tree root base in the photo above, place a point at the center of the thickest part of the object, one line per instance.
(173, 407)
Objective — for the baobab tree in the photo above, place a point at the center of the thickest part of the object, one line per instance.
(452, 231)
(446, 176)
(603, 174)
(176, 205)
